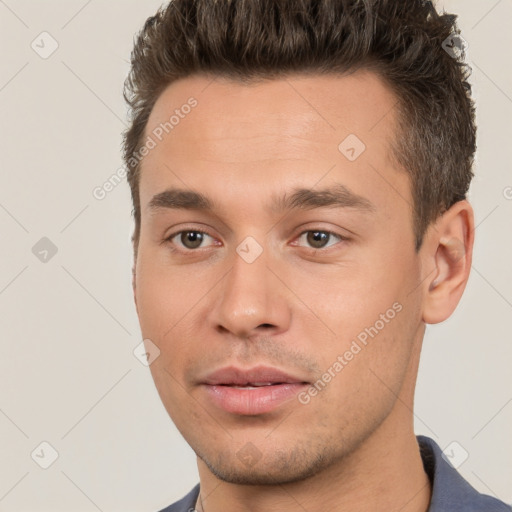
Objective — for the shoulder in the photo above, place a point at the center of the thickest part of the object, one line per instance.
(186, 504)
(450, 492)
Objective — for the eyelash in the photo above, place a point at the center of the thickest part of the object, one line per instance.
(185, 250)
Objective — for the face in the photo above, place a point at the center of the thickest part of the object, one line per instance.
(276, 270)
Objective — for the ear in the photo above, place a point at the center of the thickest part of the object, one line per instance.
(447, 254)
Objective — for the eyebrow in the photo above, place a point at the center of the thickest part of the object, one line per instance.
(180, 199)
(337, 196)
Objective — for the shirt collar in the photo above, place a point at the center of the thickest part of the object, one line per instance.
(450, 492)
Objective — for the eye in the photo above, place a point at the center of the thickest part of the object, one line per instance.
(320, 239)
(189, 239)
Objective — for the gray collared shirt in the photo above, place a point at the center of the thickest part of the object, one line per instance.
(450, 492)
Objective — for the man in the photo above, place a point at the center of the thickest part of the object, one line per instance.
(298, 173)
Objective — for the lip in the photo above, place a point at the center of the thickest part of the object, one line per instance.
(232, 375)
(252, 391)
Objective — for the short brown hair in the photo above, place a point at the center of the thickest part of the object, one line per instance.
(401, 40)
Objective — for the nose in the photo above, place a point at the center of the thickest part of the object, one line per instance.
(251, 300)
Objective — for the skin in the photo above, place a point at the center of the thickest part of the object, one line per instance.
(297, 308)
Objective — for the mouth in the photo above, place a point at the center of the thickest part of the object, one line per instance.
(253, 385)
(251, 392)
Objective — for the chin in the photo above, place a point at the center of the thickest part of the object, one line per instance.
(281, 469)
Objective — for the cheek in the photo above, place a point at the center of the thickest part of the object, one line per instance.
(349, 300)
(165, 305)
(164, 296)
(364, 373)
(373, 320)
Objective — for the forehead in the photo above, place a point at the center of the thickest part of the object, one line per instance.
(316, 107)
(270, 132)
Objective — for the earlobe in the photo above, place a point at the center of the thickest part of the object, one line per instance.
(449, 253)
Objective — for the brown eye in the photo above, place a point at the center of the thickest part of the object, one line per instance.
(191, 239)
(187, 240)
(317, 239)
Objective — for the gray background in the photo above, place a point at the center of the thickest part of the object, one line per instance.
(68, 327)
